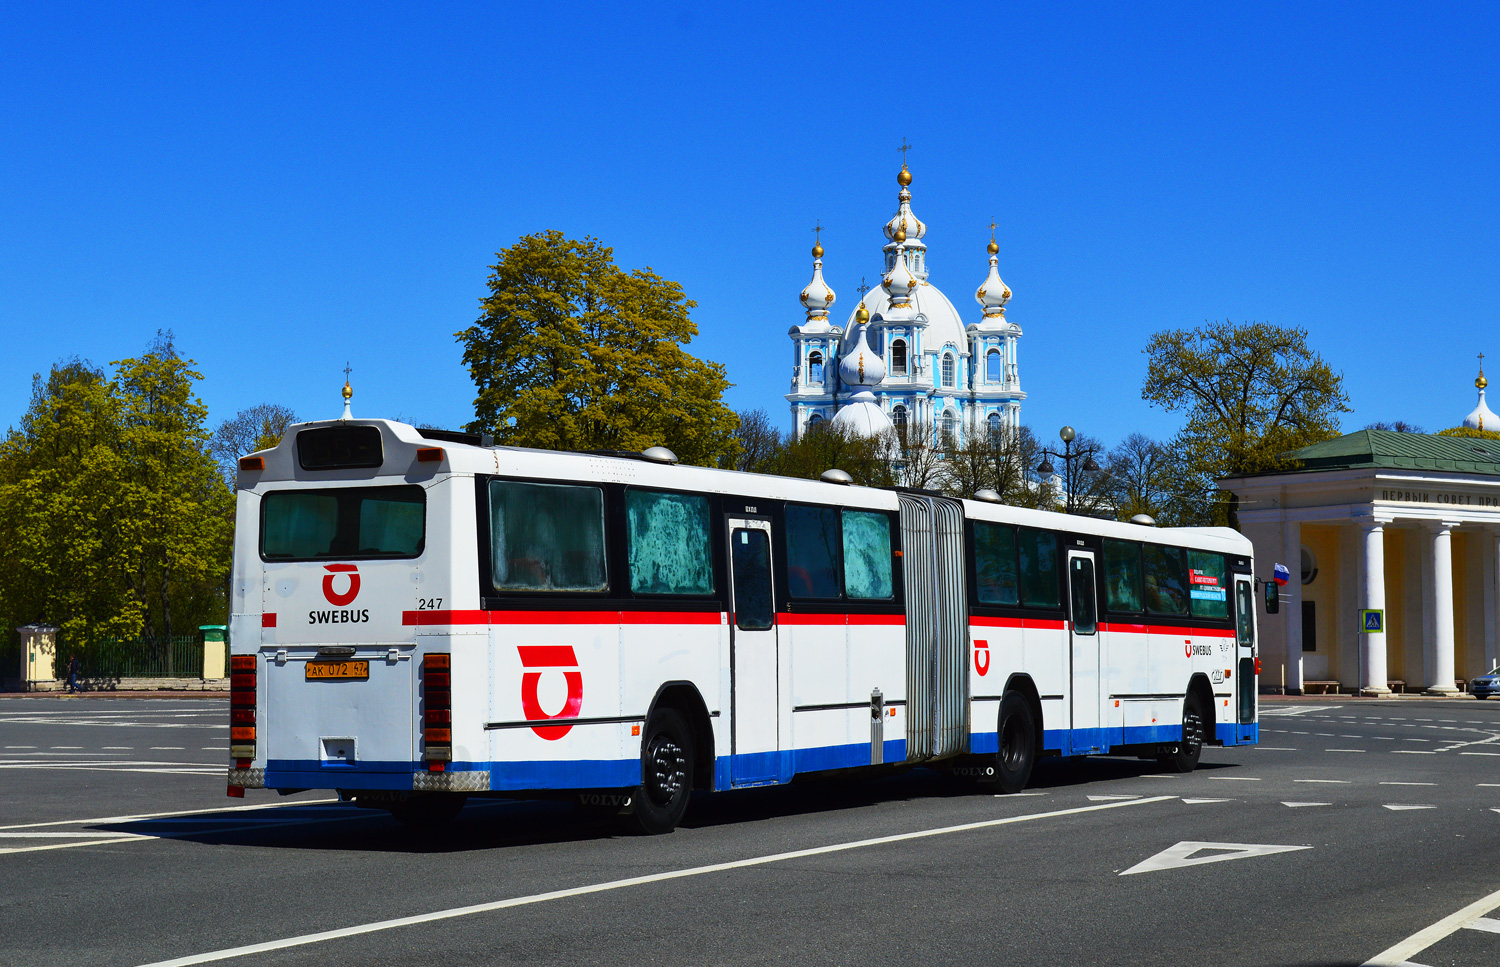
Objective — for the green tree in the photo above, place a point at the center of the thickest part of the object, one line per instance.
(256, 428)
(573, 353)
(1252, 393)
(1470, 432)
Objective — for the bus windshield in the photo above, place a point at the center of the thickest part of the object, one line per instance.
(347, 523)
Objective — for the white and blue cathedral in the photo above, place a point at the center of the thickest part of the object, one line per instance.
(905, 356)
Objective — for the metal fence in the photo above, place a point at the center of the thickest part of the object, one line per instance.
(181, 656)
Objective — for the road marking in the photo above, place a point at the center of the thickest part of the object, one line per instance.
(1487, 785)
(1402, 952)
(1275, 712)
(67, 747)
(1108, 798)
(1275, 748)
(180, 812)
(1340, 782)
(1383, 738)
(167, 748)
(215, 748)
(57, 835)
(20, 747)
(1401, 807)
(1412, 752)
(1324, 735)
(609, 885)
(1395, 783)
(1479, 753)
(1487, 924)
(1343, 750)
(125, 748)
(1299, 805)
(1236, 778)
(1182, 855)
(1194, 802)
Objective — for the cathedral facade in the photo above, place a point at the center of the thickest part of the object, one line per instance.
(904, 355)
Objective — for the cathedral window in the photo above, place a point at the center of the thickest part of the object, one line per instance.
(947, 369)
(994, 422)
(815, 369)
(948, 440)
(814, 420)
(898, 416)
(898, 357)
(994, 369)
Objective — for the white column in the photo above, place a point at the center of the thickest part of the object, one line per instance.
(1291, 602)
(1440, 675)
(1372, 676)
(1489, 552)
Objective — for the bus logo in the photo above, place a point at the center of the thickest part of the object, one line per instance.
(554, 657)
(334, 598)
(981, 649)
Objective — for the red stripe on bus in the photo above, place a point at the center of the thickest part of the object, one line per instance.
(561, 617)
(1042, 624)
(268, 620)
(1174, 630)
(841, 619)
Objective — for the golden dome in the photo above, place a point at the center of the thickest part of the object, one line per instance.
(861, 315)
(348, 390)
(1481, 382)
(817, 252)
(904, 178)
(993, 248)
(900, 235)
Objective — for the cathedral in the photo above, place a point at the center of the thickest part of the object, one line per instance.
(904, 356)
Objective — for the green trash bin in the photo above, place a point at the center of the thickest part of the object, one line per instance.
(215, 650)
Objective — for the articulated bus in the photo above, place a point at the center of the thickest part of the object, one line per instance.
(418, 618)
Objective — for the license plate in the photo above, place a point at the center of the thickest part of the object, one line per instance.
(337, 669)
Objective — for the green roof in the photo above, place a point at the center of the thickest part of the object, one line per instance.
(1390, 450)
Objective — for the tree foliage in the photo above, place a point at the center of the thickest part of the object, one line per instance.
(1471, 432)
(256, 428)
(1252, 392)
(571, 352)
(113, 516)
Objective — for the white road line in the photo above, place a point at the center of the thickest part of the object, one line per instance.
(1412, 752)
(1275, 748)
(1395, 783)
(20, 747)
(180, 812)
(1299, 805)
(127, 748)
(57, 835)
(1403, 952)
(67, 747)
(1487, 785)
(1343, 750)
(1341, 782)
(381, 925)
(1479, 753)
(1236, 778)
(1487, 924)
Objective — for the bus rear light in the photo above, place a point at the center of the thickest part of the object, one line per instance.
(436, 679)
(436, 660)
(242, 733)
(443, 736)
(241, 713)
(436, 716)
(251, 464)
(437, 709)
(429, 454)
(1257, 664)
(242, 716)
(242, 663)
(433, 766)
(236, 792)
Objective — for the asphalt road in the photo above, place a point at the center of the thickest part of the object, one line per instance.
(1354, 827)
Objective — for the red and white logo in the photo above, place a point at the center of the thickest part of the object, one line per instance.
(337, 599)
(981, 656)
(559, 657)
(1187, 649)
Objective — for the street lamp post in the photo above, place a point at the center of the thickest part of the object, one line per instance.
(1046, 468)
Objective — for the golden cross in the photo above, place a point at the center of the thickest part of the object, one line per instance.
(862, 288)
(903, 149)
(818, 230)
(347, 371)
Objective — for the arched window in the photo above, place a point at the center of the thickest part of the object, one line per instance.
(948, 441)
(994, 369)
(994, 422)
(815, 369)
(947, 369)
(898, 357)
(898, 416)
(814, 420)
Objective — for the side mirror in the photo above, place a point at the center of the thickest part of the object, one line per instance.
(1273, 597)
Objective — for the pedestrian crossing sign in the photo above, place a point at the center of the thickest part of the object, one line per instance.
(1371, 621)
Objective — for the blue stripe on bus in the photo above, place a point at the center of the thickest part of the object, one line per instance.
(769, 767)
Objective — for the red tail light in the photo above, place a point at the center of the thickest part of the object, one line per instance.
(242, 707)
(430, 455)
(437, 709)
(1257, 664)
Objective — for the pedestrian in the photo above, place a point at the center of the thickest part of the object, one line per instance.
(73, 665)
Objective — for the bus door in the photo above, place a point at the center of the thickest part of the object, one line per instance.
(753, 659)
(1245, 677)
(1083, 635)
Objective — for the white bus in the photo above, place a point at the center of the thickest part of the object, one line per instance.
(418, 618)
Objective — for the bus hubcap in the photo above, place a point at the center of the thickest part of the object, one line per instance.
(666, 770)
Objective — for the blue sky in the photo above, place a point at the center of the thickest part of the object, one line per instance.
(288, 187)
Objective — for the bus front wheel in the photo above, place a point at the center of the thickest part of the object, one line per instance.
(666, 775)
(1017, 752)
(1183, 756)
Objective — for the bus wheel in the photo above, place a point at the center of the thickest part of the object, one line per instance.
(1183, 757)
(666, 775)
(429, 810)
(1017, 753)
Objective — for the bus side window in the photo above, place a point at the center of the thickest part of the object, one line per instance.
(546, 537)
(867, 555)
(1122, 575)
(1166, 579)
(813, 542)
(995, 564)
(670, 548)
(1208, 586)
(1039, 568)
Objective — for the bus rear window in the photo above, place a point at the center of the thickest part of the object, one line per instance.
(349, 523)
(339, 448)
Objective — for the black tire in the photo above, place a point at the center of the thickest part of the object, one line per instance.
(1183, 757)
(1480, 697)
(1017, 753)
(428, 810)
(666, 775)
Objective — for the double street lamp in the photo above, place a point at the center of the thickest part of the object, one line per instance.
(1046, 469)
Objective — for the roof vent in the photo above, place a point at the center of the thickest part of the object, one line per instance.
(987, 495)
(1145, 520)
(659, 455)
(836, 476)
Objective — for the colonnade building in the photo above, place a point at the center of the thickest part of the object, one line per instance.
(1406, 523)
